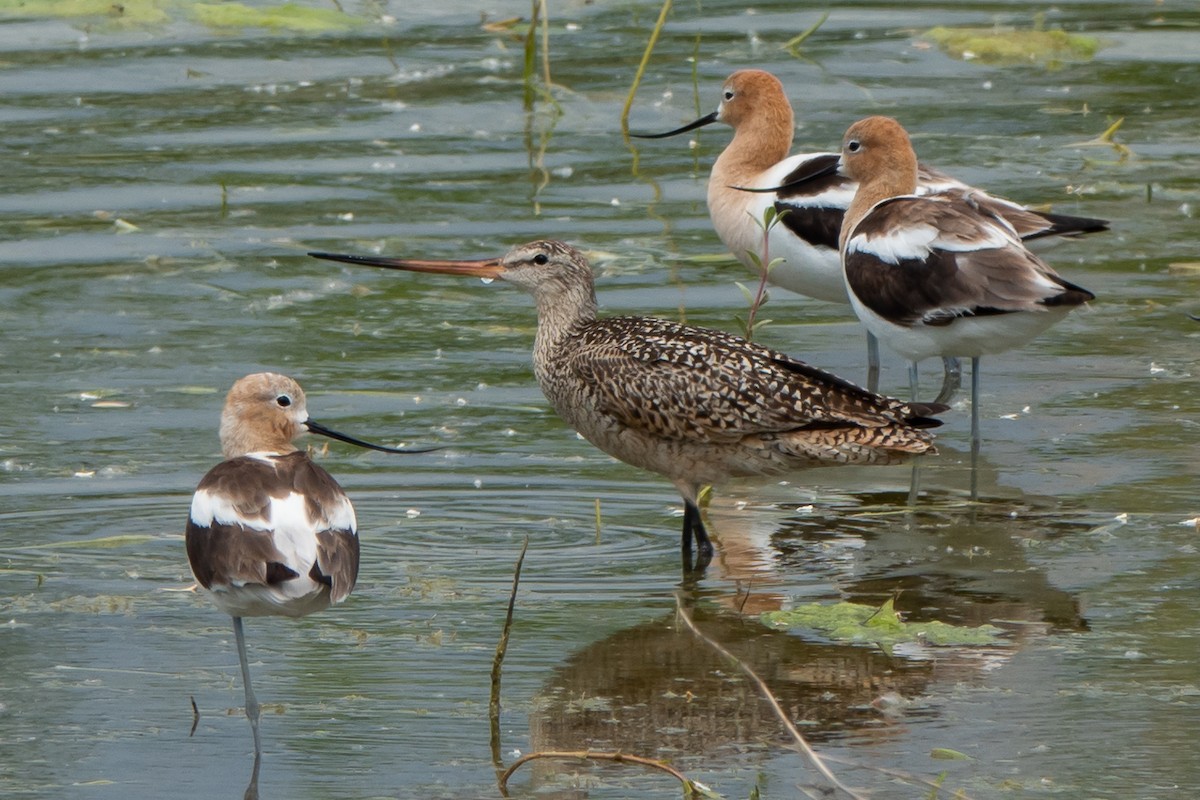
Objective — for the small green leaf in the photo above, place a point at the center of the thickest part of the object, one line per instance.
(946, 754)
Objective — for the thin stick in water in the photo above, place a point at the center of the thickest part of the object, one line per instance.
(690, 788)
(802, 745)
(498, 661)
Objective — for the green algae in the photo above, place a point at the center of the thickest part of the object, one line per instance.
(1006, 46)
(860, 624)
(284, 17)
(127, 12)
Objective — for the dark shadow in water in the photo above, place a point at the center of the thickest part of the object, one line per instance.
(656, 690)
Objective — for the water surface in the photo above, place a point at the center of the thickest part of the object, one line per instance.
(161, 187)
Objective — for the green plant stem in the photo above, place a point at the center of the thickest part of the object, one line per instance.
(641, 70)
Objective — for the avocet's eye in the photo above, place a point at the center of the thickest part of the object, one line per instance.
(853, 146)
(541, 259)
(283, 401)
(729, 94)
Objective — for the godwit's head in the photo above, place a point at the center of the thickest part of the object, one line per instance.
(549, 270)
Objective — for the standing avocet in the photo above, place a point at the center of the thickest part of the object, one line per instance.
(938, 275)
(755, 105)
(270, 532)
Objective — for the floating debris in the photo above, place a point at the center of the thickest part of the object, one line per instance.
(1013, 46)
(855, 623)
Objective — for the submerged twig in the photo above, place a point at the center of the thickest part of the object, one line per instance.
(498, 661)
(801, 743)
(690, 788)
(195, 716)
(641, 70)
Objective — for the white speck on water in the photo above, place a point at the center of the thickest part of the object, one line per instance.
(564, 172)
(1185, 209)
(462, 401)
(573, 26)
(1134, 655)
(987, 84)
(415, 127)
(412, 513)
(740, 505)
(614, 202)
(347, 216)
(478, 483)
(808, 509)
(509, 432)
(1155, 369)
(486, 281)
(90, 473)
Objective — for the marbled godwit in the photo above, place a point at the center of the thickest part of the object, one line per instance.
(694, 405)
(754, 104)
(270, 532)
(939, 275)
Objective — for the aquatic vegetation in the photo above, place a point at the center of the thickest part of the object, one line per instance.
(291, 17)
(856, 623)
(288, 16)
(1014, 46)
(129, 12)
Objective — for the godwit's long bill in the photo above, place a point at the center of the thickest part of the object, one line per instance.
(938, 275)
(270, 532)
(694, 405)
(814, 198)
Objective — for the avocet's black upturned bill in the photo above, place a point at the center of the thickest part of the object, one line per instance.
(694, 405)
(270, 532)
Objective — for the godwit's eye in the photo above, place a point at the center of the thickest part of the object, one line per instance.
(541, 259)
(853, 146)
(283, 401)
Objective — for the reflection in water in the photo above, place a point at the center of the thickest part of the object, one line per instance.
(963, 563)
(655, 690)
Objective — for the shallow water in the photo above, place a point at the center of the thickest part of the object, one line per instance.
(162, 185)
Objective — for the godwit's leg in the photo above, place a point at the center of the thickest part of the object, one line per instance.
(872, 362)
(693, 528)
(951, 379)
(914, 382)
(252, 710)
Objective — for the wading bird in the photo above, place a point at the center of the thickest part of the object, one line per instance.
(692, 404)
(754, 104)
(270, 532)
(938, 275)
